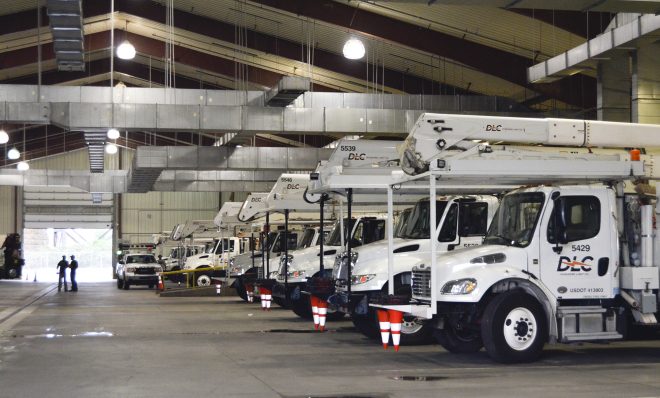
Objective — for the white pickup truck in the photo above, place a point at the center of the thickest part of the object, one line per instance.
(138, 269)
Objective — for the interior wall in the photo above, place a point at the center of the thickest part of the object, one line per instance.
(7, 210)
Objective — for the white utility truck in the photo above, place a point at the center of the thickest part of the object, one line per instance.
(360, 160)
(570, 256)
(462, 222)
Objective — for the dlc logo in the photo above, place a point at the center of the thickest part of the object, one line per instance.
(357, 156)
(493, 127)
(566, 264)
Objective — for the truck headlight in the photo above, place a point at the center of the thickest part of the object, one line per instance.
(461, 286)
(237, 270)
(130, 269)
(158, 269)
(360, 279)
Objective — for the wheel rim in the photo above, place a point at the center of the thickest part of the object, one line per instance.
(203, 280)
(520, 328)
(410, 325)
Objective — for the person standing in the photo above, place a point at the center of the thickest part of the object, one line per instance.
(62, 266)
(73, 266)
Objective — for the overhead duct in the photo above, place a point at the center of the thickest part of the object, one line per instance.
(154, 109)
(95, 143)
(66, 26)
(150, 161)
(287, 90)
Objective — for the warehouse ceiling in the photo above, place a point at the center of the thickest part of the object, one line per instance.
(413, 47)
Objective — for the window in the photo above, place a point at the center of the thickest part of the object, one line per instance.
(515, 220)
(582, 215)
(374, 230)
(473, 219)
(448, 230)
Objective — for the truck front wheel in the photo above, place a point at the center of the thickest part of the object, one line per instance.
(514, 328)
(458, 341)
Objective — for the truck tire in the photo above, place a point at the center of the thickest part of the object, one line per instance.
(120, 283)
(514, 328)
(458, 341)
(125, 284)
(240, 289)
(302, 307)
(202, 279)
(365, 324)
(412, 331)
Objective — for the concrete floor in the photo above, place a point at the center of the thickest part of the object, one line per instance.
(102, 342)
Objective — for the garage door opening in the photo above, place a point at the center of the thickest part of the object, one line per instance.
(44, 248)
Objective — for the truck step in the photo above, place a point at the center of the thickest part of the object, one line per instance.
(572, 337)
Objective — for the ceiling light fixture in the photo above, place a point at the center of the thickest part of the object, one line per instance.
(110, 149)
(126, 50)
(113, 134)
(13, 154)
(354, 49)
(22, 166)
(4, 137)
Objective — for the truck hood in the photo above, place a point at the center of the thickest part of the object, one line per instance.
(372, 258)
(467, 263)
(308, 259)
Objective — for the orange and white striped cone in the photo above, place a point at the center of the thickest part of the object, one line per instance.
(396, 319)
(249, 289)
(384, 324)
(323, 311)
(161, 286)
(269, 297)
(315, 311)
(262, 295)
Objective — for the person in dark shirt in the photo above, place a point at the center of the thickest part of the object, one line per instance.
(73, 266)
(62, 266)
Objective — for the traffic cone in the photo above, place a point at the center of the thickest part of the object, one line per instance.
(384, 324)
(161, 286)
(396, 318)
(262, 295)
(218, 289)
(315, 310)
(249, 289)
(323, 310)
(269, 297)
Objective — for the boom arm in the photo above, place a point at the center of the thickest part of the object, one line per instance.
(435, 135)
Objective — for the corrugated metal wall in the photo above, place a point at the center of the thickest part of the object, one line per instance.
(7, 210)
(154, 212)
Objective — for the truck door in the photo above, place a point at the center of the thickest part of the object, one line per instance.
(472, 223)
(581, 267)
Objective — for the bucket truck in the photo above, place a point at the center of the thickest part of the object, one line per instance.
(570, 256)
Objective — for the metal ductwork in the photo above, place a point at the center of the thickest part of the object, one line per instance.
(287, 90)
(95, 147)
(162, 109)
(66, 25)
(205, 163)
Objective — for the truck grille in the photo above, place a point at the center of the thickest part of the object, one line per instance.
(145, 271)
(421, 284)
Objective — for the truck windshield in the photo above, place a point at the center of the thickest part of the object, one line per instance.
(401, 222)
(306, 240)
(292, 238)
(515, 219)
(334, 239)
(225, 244)
(418, 226)
(140, 259)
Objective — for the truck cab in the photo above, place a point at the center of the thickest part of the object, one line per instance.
(550, 270)
(137, 269)
(178, 256)
(216, 254)
(304, 264)
(462, 222)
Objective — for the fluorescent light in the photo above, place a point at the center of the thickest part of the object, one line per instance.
(354, 49)
(113, 134)
(22, 166)
(126, 50)
(110, 149)
(4, 137)
(13, 154)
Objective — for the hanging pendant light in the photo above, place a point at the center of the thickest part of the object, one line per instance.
(354, 49)
(4, 137)
(13, 154)
(126, 50)
(23, 166)
(113, 134)
(110, 149)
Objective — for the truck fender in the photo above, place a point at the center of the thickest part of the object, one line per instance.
(528, 286)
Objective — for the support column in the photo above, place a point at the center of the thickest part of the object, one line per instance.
(646, 84)
(613, 89)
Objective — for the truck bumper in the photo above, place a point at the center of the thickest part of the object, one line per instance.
(142, 279)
